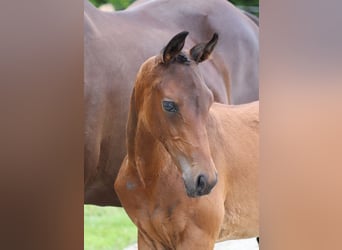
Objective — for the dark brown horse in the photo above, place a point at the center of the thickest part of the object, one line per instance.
(116, 44)
(190, 176)
(254, 18)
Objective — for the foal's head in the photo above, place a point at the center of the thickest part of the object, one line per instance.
(173, 104)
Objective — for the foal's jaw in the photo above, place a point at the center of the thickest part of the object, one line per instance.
(195, 184)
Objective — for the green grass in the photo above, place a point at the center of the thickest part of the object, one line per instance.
(107, 228)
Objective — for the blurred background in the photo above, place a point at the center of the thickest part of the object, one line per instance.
(109, 228)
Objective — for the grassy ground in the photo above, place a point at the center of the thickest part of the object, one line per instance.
(107, 228)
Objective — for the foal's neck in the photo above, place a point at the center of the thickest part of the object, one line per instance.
(150, 156)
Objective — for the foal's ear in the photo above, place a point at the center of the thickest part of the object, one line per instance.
(174, 47)
(202, 51)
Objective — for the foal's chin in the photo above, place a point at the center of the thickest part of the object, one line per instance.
(195, 194)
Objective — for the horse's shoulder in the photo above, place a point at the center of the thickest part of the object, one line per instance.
(235, 116)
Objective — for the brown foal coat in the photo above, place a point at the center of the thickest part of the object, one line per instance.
(116, 44)
(168, 151)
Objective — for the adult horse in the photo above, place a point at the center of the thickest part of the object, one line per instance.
(116, 44)
(190, 176)
(254, 18)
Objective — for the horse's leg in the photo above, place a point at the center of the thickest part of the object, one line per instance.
(142, 244)
(197, 244)
(146, 243)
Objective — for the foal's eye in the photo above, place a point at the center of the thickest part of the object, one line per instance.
(170, 106)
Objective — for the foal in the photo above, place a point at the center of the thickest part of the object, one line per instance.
(190, 176)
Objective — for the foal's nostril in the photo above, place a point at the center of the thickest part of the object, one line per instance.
(201, 184)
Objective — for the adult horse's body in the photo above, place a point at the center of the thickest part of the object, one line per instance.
(190, 176)
(254, 18)
(116, 44)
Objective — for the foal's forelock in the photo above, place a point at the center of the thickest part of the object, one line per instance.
(181, 58)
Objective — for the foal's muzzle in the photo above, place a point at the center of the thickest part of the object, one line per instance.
(201, 186)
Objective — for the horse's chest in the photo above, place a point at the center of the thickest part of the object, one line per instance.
(160, 218)
(164, 224)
